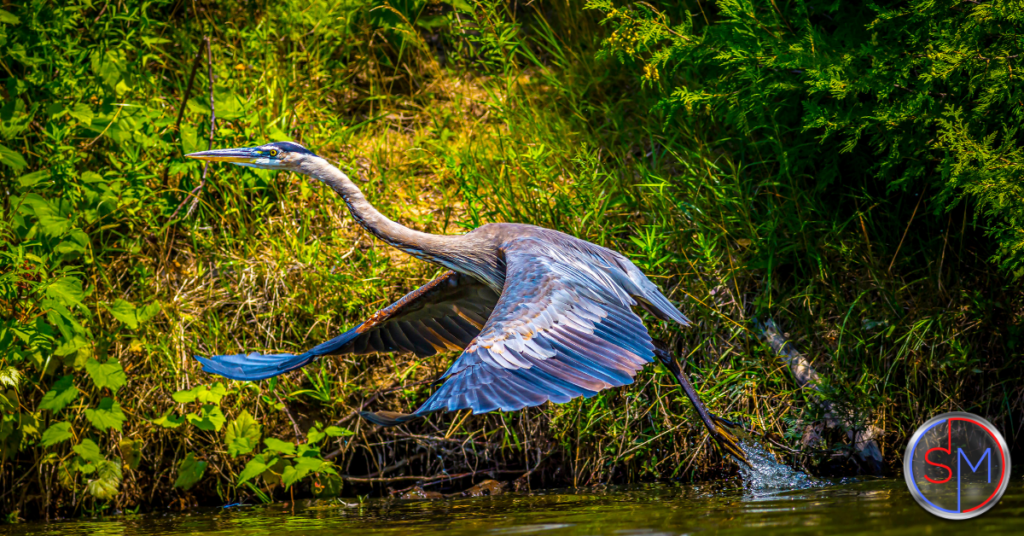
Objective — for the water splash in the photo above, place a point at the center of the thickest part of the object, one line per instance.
(767, 476)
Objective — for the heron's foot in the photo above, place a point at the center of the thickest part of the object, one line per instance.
(726, 422)
(726, 440)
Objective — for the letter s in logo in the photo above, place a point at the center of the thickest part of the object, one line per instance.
(949, 472)
(948, 450)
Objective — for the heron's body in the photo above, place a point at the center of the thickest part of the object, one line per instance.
(538, 315)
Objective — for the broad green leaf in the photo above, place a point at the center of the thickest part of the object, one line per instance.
(242, 435)
(307, 449)
(276, 134)
(254, 468)
(67, 290)
(31, 179)
(53, 223)
(124, 312)
(337, 431)
(461, 5)
(107, 415)
(302, 467)
(155, 40)
(190, 471)
(76, 343)
(56, 433)
(275, 467)
(168, 421)
(84, 467)
(6, 17)
(314, 435)
(148, 311)
(71, 249)
(184, 397)
(310, 464)
(241, 445)
(10, 377)
(30, 424)
(12, 159)
(228, 105)
(204, 394)
(6, 430)
(90, 177)
(8, 401)
(212, 394)
(131, 452)
(291, 475)
(63, 393)
(277, 445)
(82, 112)
(109, 374)
(189, 138)
(211, 418)
(106, 481)
(55, 110)
(88, 450)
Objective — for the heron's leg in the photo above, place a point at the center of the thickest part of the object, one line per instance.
(723, 437)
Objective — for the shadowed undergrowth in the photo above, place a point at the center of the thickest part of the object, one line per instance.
(449, 116)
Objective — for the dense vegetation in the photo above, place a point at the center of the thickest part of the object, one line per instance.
(849, 170)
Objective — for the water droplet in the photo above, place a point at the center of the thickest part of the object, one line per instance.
(767, 476)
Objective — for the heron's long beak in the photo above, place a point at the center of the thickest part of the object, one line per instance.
(235, 156)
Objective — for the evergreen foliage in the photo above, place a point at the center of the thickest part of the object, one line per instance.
(911, 95)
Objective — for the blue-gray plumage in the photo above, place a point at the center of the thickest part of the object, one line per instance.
(539, 315)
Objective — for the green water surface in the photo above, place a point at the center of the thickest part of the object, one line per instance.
(875, 507)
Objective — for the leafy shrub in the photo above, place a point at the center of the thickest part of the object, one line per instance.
(98, 107)
(907, 95)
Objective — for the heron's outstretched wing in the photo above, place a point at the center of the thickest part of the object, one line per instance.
(562, 328)
(446, 313)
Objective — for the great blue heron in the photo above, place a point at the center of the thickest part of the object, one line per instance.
(539, 315)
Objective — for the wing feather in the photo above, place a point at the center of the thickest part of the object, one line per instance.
(563, 327)
(425, 321)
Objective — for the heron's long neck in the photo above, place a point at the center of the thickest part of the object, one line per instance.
(456, 252)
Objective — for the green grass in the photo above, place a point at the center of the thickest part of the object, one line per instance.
(448, 119)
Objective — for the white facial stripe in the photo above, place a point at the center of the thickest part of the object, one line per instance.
(261, 163)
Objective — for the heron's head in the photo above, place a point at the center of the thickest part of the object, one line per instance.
(279, 155)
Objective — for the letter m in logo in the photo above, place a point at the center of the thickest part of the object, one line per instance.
(974, 469)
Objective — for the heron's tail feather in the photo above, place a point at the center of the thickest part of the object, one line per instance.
(387, 418)
(254, 366)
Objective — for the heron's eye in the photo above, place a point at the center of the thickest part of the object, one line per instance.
(273, 152)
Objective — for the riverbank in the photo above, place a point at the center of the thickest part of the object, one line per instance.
(121, 260)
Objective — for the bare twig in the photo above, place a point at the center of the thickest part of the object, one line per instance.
(397, 465)
(188, 89)
(364, 405)
(524, 480)
(100, 14)
(900, 245)
(461, 442)
(198, 190)
(864, 443)
(106, 128)
(288, 412)
(375, 396)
